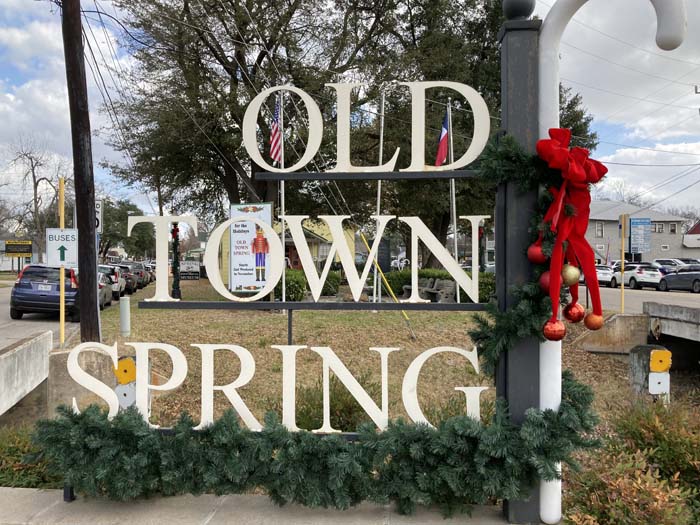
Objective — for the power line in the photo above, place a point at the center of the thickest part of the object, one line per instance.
(639, 165)
(621, 41)
(625, 95)
(624, 66)
(669, 196)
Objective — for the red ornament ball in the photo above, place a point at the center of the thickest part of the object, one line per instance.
(554, 330)
(535, 254)
(574, 312)
(544, 281)
(594, 322)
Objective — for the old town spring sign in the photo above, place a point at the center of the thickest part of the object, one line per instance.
(379, 413)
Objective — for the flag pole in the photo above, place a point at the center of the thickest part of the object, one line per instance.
(453, 191)
(282, 204)
(377, 293)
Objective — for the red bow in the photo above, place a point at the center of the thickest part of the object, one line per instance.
(576, 168)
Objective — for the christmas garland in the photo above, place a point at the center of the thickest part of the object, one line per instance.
(459, 463)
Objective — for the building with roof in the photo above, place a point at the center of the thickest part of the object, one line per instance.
(667, 238)
(691, 239)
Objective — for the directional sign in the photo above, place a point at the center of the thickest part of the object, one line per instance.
(98, 216)
(640, 235)
(62, 247)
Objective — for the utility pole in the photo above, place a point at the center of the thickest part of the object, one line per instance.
(82, 168)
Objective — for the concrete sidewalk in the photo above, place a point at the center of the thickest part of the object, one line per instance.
(20, 506)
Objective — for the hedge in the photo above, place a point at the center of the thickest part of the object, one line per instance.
(397, 280)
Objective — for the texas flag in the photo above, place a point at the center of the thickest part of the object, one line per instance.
(442, 143)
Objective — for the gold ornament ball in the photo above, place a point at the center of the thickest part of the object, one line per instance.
(593, 321)
(570, 274)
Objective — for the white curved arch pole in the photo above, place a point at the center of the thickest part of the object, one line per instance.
(671, 29)
(670, 32)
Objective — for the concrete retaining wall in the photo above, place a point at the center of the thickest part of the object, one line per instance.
(619, 335)
(62, 388)
(23, 366)
(676, 321)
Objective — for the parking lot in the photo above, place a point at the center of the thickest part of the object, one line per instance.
(635, 298)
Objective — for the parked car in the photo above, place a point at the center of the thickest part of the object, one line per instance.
(139, 272)
(104, 287)
(604, 273)
(669, 263)
(683, 278)
(118, 281)
(637, 275)
(37, 290)
(131, 282)
(688, 260)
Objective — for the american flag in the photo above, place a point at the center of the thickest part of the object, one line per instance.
(276, 137)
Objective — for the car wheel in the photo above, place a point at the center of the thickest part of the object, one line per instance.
(115, 296)
(696, 287)
(15, 314)
(75, 317)
(102, 305)
(663, 285)
(121, 294)
(633, 283)
(613, 283)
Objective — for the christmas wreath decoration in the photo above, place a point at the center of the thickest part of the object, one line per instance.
(459, 463)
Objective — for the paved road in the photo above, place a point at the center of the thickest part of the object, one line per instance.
(634, 298)
(12, 331)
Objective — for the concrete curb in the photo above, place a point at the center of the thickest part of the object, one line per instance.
(34, 506)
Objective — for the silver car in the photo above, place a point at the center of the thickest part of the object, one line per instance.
(104, 287)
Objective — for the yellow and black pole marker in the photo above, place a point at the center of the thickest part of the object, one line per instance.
(62, 271)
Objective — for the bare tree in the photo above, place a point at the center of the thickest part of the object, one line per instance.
(40, 174)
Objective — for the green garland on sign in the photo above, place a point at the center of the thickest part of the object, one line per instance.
(457, 464)
(460, 463)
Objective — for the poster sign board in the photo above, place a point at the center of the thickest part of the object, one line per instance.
(249, 261)
(18, 248)
(189, 270)
(640, 235)
(62, 247)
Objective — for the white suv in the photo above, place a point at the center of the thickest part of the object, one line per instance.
(638, 275)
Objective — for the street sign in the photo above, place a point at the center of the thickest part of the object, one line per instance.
(640, 235)
(62, 247)
(98, 215)
(18, 248)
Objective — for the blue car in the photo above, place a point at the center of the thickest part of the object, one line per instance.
(37, 290)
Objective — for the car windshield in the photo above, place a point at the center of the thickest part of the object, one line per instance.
(42, 273)
(106, 269)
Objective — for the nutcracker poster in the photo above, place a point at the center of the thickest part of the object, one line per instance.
(249, 261)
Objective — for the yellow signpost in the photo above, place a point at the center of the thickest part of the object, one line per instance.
(62, 271)
(623, 236)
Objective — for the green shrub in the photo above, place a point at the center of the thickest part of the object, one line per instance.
(622, 488)
(670, 438)
(332, 284)
(397, 280)
(649, 471)
(295, 286)
(20, 463)
(346, 412)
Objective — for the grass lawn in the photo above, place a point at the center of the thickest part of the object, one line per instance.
(349, 334)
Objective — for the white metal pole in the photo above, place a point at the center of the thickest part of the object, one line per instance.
(377, 291)
(671, 29)
(453, 190)
(282, 204)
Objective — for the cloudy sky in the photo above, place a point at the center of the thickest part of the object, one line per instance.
(643, 99)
